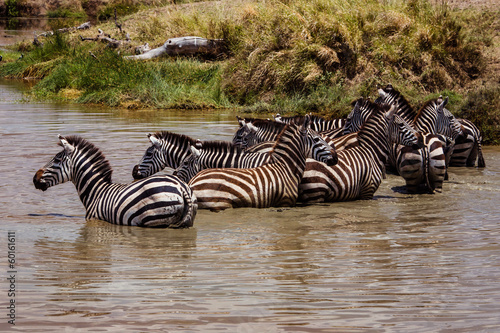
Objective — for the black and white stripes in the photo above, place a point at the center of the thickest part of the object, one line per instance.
(160, 201)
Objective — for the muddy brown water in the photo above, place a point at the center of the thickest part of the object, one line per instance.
(397, 263)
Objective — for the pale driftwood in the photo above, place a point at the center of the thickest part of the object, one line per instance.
(106, 38)
(183, 46)
(82, 26)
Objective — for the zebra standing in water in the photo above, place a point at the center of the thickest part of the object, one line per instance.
(220, 154)
(425, 166)
(273, 184)
(467, 144)
(359, 170)
(162, 201)
(265, 130)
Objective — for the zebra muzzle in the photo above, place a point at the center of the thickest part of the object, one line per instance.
(136, 173)
(38, 181)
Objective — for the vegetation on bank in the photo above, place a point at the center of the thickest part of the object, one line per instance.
(288, 56)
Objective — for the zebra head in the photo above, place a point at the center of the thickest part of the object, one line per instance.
(399, 132)
(446, 123)
(319, 149)
(153, 160)
(59, 168)
(167, 150)
(387, 95)
(190, 166)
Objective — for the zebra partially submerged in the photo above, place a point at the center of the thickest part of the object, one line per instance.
(220, 154)
(436, 127)
(359, 170)
(274, 184)
(160, 201)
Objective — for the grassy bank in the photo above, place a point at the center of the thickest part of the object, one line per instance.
(292, 56)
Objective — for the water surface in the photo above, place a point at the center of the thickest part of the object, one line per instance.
(400, 262)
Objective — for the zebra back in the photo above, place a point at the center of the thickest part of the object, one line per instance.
(318, 123)
(220, 154)
(435, 119)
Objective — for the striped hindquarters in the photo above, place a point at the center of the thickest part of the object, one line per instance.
(468, 147)
(355, 176)
(158, 201)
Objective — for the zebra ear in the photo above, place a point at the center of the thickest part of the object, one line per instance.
(195, 151)
(277, 118)
(69, 148)
(241, 121)
(442, 103)
(252, 127)
(154, 141)
(198, 144)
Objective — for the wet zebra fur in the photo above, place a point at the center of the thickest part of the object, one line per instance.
(226, 155)
(161, 201)
(273, 184)
(359, 170)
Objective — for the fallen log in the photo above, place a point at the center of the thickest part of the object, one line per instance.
(183, 46)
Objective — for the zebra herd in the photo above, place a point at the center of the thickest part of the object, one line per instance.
(272, 163)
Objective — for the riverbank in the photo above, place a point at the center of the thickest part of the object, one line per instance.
(288, 57)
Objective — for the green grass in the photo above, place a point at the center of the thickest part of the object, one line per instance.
(289, 56)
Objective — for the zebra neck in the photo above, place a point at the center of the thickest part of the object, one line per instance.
(90, 180)
(373, 136)
(291, 154)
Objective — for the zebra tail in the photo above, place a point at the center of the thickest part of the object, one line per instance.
(190, 208)
(426, 156)
(480, 158)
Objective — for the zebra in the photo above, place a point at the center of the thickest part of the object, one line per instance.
(219, 154)
(171, 149)
(318, 124)
(359, 170)
(274, 184)
(160, 201)
(422, 166)
(468, 146)
(265, 130)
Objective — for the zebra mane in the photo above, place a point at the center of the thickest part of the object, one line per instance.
(169, 136)
(220, 145)
(375, 109)
(272, 125)
(96, 157)
(395, 95)
(279, 138)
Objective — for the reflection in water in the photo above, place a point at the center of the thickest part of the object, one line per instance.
(400, 262)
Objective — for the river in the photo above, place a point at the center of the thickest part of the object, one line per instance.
(398, 263)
